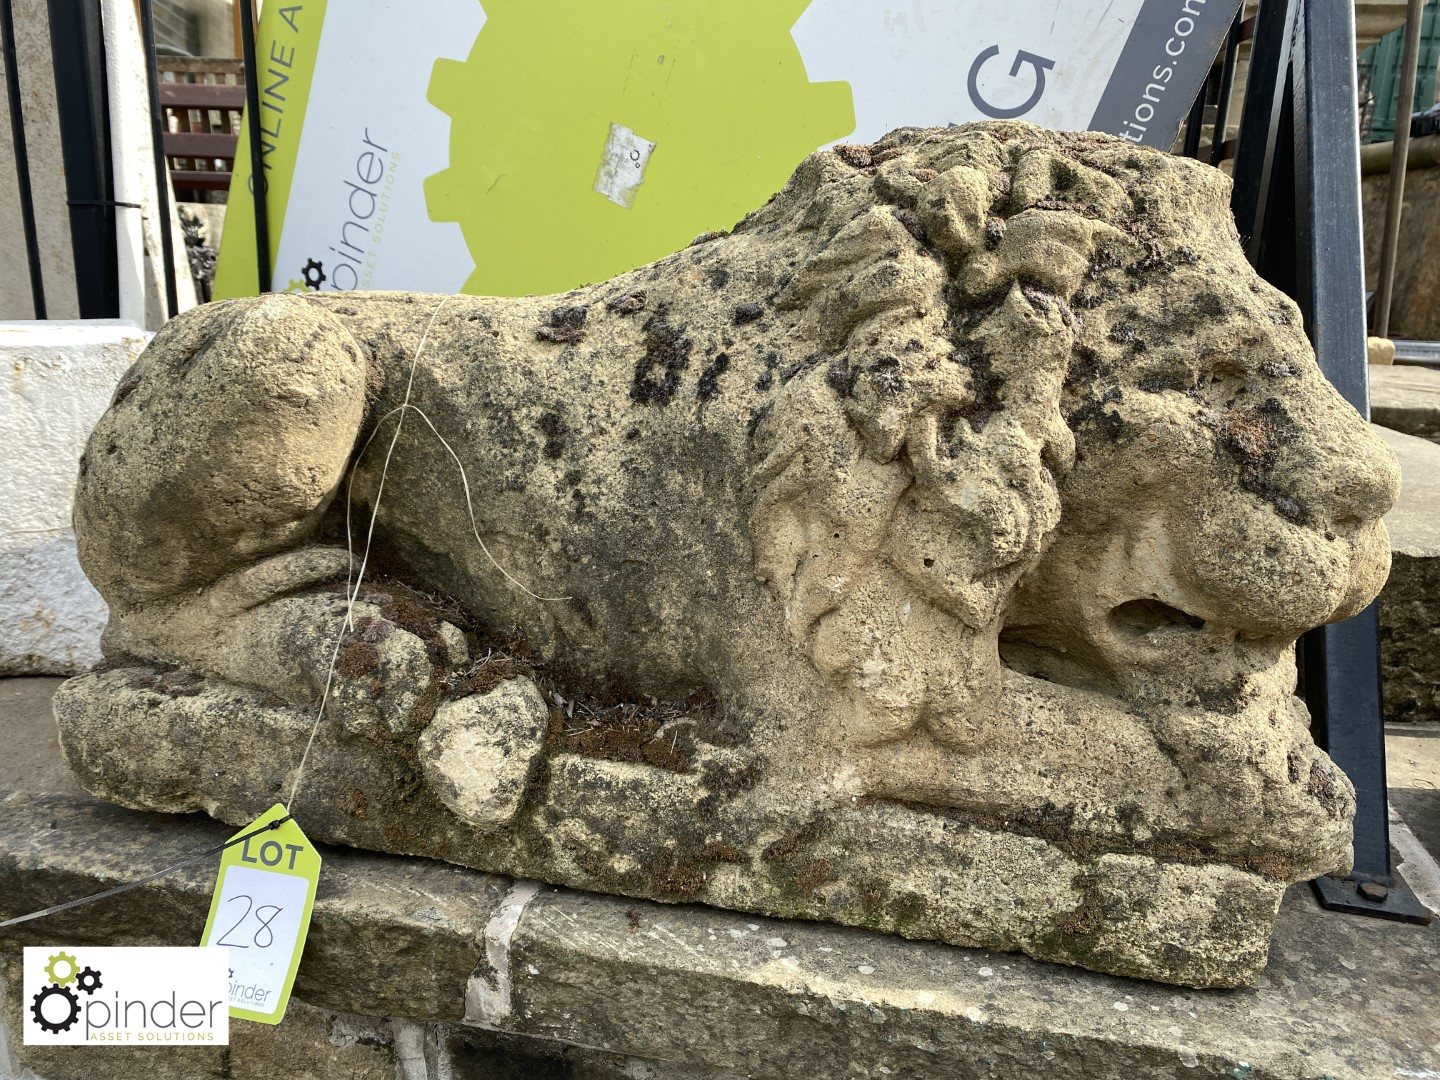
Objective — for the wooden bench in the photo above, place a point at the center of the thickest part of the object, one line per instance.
(203, 97)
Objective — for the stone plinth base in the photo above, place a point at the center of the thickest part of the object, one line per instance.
(1167, 914)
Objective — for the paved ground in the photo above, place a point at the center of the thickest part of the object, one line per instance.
(29, 752)
(1412, 757)
(1406, 399)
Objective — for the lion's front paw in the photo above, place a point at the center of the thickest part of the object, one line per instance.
(382, 674)
(394, 648)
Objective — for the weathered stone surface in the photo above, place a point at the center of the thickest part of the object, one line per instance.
(681, 980)
(471, 1053)
(1410, 602)
(925, 555)
(1407, 400)
(1380, 351)
(688, 992)
(32, 760)
(979, 882)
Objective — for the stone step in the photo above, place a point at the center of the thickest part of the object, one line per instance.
(1410, 601)
(687, 992)
(1406, 399)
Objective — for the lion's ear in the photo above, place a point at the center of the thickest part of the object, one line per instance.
(1042, 176)
(866, 239)
(950, 208)
(1050, 248)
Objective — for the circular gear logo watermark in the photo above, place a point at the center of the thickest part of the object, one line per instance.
(56, 1006)
(103, 996)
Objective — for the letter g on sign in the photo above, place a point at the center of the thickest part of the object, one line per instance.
(1041, 65)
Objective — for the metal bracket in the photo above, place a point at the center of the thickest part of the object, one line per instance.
(1379, 898)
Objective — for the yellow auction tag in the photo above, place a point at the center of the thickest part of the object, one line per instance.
(261, 911)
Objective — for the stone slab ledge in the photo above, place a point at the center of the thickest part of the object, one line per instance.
(453, 966)
(1406, 399)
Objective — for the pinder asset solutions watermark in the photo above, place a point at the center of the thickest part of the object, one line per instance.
(129, 996)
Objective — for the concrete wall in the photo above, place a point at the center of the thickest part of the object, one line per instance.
(58, 381)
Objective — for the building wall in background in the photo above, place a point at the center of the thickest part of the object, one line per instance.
(52, 219)
(195, 27)
(1414, 313)
(1380, 75)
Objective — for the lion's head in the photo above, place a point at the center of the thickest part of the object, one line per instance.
(1067, 425)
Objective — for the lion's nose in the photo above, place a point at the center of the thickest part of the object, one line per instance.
(1350, 480)
(1351, 477)
(1318, 549)
(1313, 458)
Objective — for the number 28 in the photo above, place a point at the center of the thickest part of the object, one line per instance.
(263, 928)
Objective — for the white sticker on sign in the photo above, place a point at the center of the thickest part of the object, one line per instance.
(622, 166)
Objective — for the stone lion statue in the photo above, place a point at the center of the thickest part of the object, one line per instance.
(926, 553)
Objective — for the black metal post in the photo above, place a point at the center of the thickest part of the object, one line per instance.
(1265, 91)
(1273, 249)
(82, 100)
(1227, 84)
(259, 186)
(1196, 120)
(22, 159)
(162, 166)
(1399, 166)
(1341, 662)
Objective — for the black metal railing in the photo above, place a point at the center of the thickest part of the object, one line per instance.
(259, 185)
(22, 158)
(82, 100)
(157, 130)
(82, 87)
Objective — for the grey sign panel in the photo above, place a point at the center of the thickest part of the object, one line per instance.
(1161, 68)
